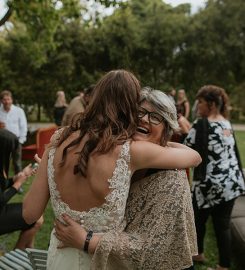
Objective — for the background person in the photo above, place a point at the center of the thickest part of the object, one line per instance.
(88, 92)
(77, 105)
(11, 213)
(172, 95)
(182, 104)
(13, 118)
(9, 143)
(88, 169)
(59, 107)
(160, 231)
(218, 180)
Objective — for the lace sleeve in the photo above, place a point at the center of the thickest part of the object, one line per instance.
(118, 250)
(159, 221)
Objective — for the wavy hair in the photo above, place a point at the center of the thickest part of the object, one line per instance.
(110, 118)
(165, 107)
(217, 95)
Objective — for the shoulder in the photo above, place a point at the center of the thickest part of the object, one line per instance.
(75, 100)
(17, 109)
(54, 140)
(227, 124)
(140, 148)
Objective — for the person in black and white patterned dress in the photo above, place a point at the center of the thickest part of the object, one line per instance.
(218, 180)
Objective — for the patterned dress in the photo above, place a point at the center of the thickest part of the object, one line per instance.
(160, 232)
(224, 180)
(108, 217)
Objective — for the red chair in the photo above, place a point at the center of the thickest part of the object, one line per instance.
(42, 139)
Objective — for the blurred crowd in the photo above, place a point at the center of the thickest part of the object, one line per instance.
(205, 127)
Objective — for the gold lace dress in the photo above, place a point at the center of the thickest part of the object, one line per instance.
(108, 217)
(160, 232)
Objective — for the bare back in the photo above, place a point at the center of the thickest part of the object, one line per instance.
(95, 196)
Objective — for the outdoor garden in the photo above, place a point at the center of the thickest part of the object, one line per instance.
(47, 46)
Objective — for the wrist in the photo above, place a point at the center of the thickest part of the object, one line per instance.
(87, 240)
(17, 185)
(20, 178)
(93, 244)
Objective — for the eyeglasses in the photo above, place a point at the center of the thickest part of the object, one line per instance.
(154, 118)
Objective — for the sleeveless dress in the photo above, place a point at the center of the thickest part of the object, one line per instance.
(108, 217)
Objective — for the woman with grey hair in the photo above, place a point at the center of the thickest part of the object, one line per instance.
(164, 107)
(160, 231)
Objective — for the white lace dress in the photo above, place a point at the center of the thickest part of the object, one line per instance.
(108, 217)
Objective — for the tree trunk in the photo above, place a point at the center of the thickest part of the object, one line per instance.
(38, 112)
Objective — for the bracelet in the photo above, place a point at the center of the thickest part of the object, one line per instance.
(87, 240)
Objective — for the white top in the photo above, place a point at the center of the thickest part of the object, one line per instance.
(15, 121)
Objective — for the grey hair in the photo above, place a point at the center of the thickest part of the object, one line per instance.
(165, 107)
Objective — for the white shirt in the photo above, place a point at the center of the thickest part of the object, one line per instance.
(15, 121)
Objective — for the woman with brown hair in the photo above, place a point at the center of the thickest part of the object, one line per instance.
(160, 231)
(218, 180)
(87, 169)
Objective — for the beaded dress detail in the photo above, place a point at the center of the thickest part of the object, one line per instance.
(108, 217)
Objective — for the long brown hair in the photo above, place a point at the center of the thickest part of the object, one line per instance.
(110, 118)
(217, 95)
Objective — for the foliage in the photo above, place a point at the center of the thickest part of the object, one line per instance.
(215, 48)
(53, 45)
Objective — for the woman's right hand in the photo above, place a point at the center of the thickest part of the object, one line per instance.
(22, 176)
(37, 159)
(73, 235)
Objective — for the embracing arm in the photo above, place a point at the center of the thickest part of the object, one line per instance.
(149, 155)
(73, 235)
(37, 197)
(177, 145)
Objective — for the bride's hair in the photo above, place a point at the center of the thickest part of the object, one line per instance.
(110, 118)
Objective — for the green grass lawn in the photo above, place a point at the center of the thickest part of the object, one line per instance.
(42, 239)
(240, 136)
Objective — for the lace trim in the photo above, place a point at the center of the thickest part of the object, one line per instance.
(159, 221)
(115, 201)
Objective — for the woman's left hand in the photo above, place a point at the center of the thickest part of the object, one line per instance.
(71, 234)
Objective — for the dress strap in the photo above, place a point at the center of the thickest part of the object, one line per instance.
(56, 137)
(125, 151)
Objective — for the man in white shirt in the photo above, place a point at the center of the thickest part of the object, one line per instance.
(13, 118)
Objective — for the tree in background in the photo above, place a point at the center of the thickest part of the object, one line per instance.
(53, 45)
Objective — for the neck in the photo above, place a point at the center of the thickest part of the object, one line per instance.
(7, 109)
(215, 115)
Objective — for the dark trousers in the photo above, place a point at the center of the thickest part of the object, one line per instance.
(220, 214)
(17, 159)
(11, 218)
